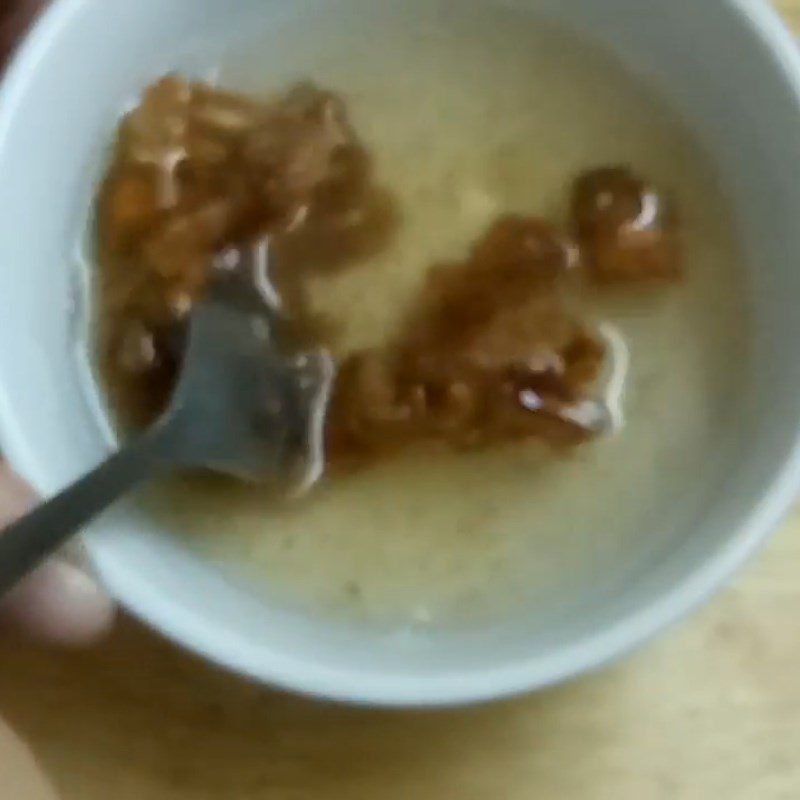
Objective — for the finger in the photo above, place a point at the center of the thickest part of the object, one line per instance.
(60, 602)
(20, 775)
(16, 497)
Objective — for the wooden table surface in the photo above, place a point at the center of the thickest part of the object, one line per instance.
(711, 711)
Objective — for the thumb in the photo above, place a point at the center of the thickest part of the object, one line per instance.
(60, 602)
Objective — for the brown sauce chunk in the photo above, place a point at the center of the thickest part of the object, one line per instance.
(492, 353)
(197, 170)
(626, 229)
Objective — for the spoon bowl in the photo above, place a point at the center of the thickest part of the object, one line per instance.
(243, 406)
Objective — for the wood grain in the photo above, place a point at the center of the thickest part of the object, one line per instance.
(710, 711)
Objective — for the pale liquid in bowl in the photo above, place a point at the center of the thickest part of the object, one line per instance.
(471, 113)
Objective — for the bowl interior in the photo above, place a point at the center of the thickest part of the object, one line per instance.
(728, 67)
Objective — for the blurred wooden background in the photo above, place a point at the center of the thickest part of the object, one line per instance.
(711, 711)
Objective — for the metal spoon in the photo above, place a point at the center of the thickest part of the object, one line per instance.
(241, 407)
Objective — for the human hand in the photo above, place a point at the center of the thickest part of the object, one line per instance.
(60, 603)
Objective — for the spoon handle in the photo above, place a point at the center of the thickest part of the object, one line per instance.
(28, 542)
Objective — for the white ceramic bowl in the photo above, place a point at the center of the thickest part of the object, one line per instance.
(727, 65)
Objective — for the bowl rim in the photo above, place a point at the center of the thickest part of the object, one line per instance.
(360, 686)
